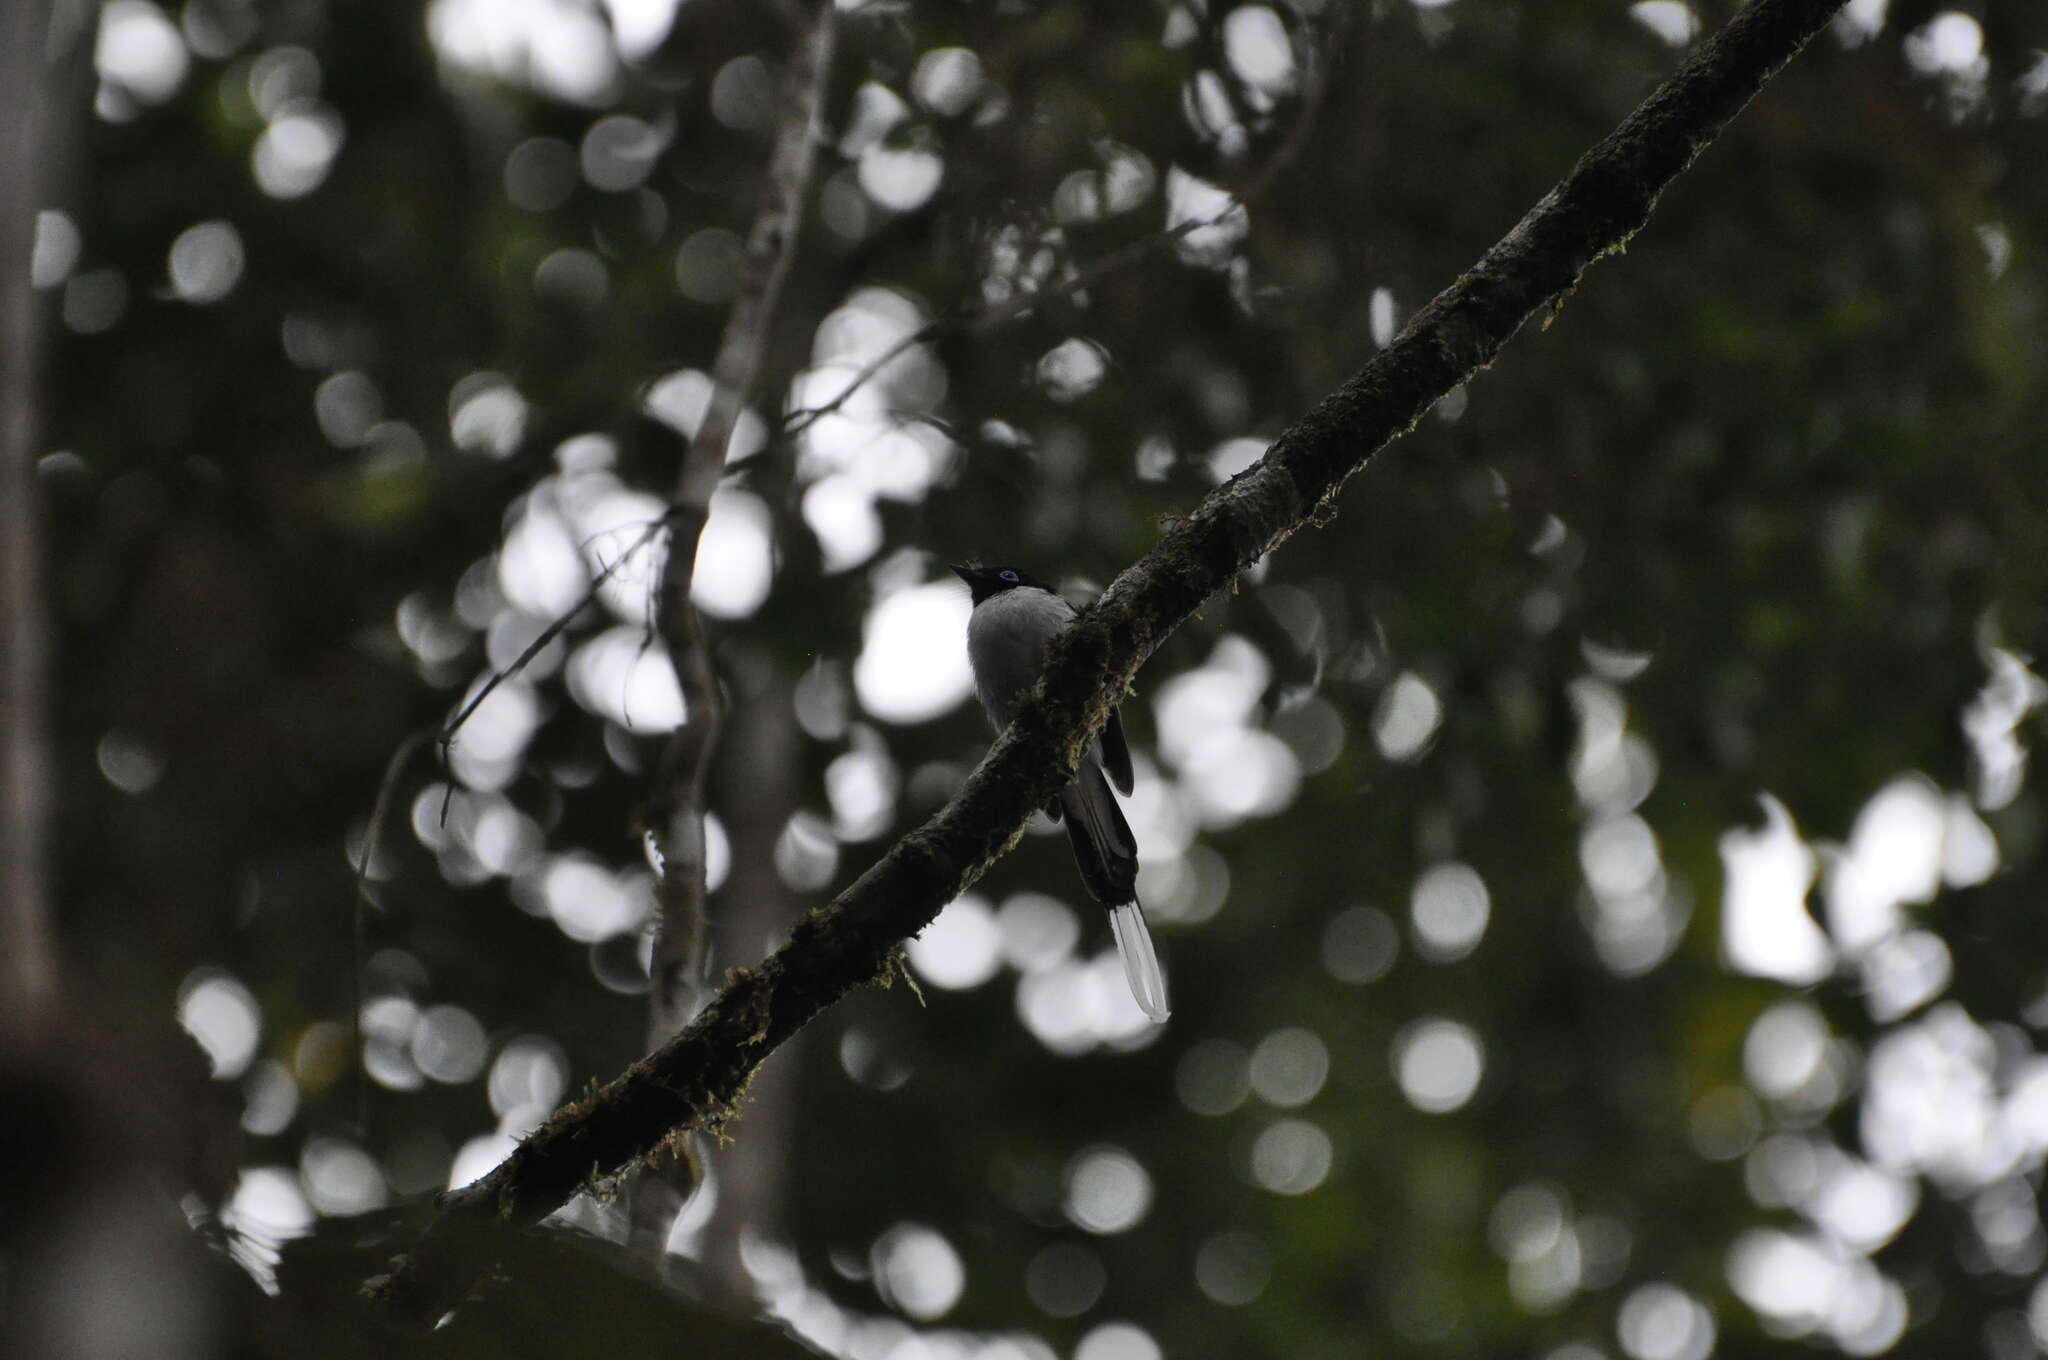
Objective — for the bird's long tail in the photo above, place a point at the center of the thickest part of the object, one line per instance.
(1141, 965)
(1107, 853)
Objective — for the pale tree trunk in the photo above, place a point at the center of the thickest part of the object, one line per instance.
(94, 1258)
(678, 805)
(754, 911)
(28, 963)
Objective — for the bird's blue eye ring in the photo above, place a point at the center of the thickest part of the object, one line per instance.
(1009, 576)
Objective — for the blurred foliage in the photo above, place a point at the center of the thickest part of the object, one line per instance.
(1785, 451)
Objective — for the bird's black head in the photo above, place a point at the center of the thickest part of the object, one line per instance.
(984, 582)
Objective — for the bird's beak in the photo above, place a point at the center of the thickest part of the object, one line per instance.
(966, 574)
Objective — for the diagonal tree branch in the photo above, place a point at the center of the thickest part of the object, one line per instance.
(696, 1079)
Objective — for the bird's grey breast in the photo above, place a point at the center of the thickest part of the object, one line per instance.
(1006, 637)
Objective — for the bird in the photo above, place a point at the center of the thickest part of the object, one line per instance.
(1015, 616)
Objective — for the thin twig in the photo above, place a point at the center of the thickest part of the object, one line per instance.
(387, 789)
(547, 634)
(996, 315)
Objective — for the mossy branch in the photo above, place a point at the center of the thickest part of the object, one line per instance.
(694, 1080)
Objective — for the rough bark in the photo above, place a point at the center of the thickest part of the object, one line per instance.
(696, 1079)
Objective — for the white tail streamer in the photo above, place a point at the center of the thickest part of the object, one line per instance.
(1141, 964)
